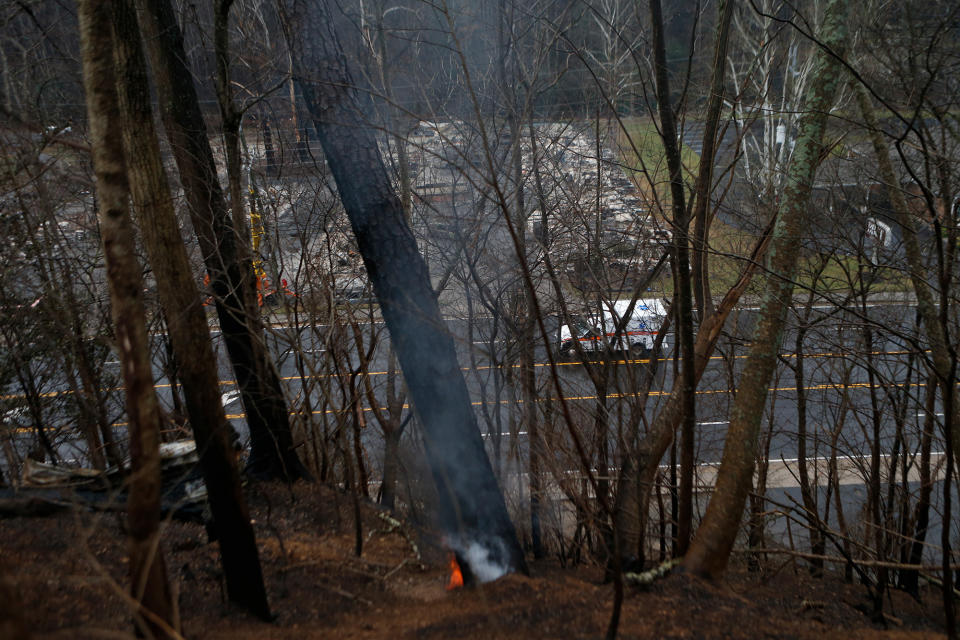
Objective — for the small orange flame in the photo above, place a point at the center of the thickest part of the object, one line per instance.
(456, 576)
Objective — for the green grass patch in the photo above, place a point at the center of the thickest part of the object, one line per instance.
(641, 150)
(836, 274)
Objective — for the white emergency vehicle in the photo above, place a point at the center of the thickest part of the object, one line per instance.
(597, 331)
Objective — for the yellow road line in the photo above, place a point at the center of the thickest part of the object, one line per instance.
(228, 383)
(615, 396)
(630, 362)
(610, 396)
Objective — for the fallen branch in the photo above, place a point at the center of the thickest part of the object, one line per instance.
(32, 507)
(402, 564)
(345, 594)
(45, 502)
(866, 562)
(938, 582)
(394, 525)
(647, 578)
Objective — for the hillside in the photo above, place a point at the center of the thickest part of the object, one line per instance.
(69, 570)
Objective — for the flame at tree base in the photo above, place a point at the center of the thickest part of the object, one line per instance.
(474, 563)
(456, 576)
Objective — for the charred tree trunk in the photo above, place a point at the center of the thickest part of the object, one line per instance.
(710, 550)
(148, 575)
(530, 404)
(471, 506)
(528, 379)
(90, 396)
(874, 495)
(186, 320)
(86, 421)
(272, 167)
(391, 469)
(224, 250)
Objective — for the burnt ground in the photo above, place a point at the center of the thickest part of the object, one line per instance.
(70, 572)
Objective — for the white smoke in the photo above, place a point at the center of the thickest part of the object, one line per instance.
(484, 563)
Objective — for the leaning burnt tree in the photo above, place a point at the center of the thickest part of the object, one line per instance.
(471, 508)
(225, 254)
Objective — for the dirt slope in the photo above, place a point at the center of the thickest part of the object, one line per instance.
(70, 569)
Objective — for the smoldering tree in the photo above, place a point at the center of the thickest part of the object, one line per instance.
(471, 504)
(560, 223)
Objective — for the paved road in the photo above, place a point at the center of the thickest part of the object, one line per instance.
(833, 364)
(832, 361)
(832, 348)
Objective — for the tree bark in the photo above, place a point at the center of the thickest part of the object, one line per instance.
(148, 576)
(471, 508)
(910, 580)
(639, 470)
(393, 426)
(701, 204)
(710, 550)
(808, 493)
(186, 320)
(926, 305)
(680, 225)
(223, 246)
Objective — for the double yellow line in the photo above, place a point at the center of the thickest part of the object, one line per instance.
(614, 396)
(610, 396)
(227, 383)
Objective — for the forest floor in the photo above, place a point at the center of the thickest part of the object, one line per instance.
(69, 571)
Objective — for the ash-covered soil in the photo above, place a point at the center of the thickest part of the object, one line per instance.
(69, 573)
